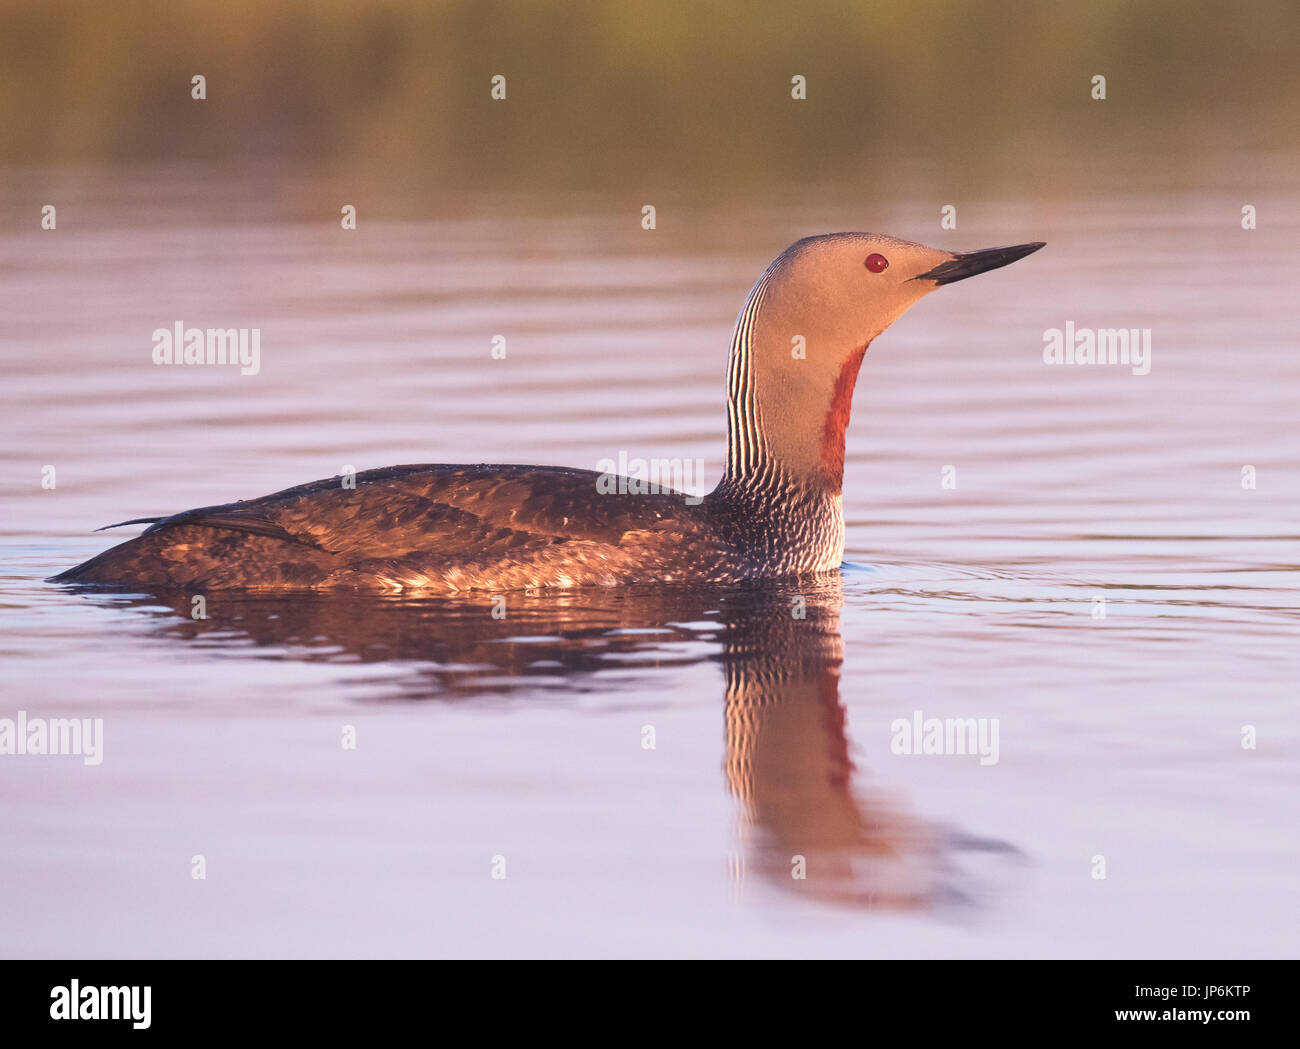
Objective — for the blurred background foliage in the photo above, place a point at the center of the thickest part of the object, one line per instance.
(628, 90)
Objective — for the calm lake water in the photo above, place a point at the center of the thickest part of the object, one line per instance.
(1104, 580)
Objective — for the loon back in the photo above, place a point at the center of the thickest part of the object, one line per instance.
(436, 527)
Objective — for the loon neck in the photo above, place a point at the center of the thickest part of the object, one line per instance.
(786, 433)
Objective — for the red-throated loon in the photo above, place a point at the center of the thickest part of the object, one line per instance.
(776, 512)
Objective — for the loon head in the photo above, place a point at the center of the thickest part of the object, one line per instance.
(801, 337)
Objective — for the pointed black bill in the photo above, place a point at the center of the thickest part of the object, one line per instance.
(959, 267)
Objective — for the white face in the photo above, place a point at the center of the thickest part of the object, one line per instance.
(849, 287)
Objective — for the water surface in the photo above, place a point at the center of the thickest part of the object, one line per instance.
(1077, 491)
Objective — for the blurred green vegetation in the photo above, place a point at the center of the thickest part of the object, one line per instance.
(601, 91)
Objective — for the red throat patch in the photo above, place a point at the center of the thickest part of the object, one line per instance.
(837, 420)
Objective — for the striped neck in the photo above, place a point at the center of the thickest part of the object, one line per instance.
(749, 459)
(797, 440)
(785, 442)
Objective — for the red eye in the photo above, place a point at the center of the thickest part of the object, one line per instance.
(877, 263)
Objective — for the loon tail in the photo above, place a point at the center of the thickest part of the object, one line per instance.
(75, 573)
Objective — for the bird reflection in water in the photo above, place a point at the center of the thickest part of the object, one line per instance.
(805, 825)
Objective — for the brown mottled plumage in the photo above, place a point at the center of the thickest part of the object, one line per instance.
(776, 513)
